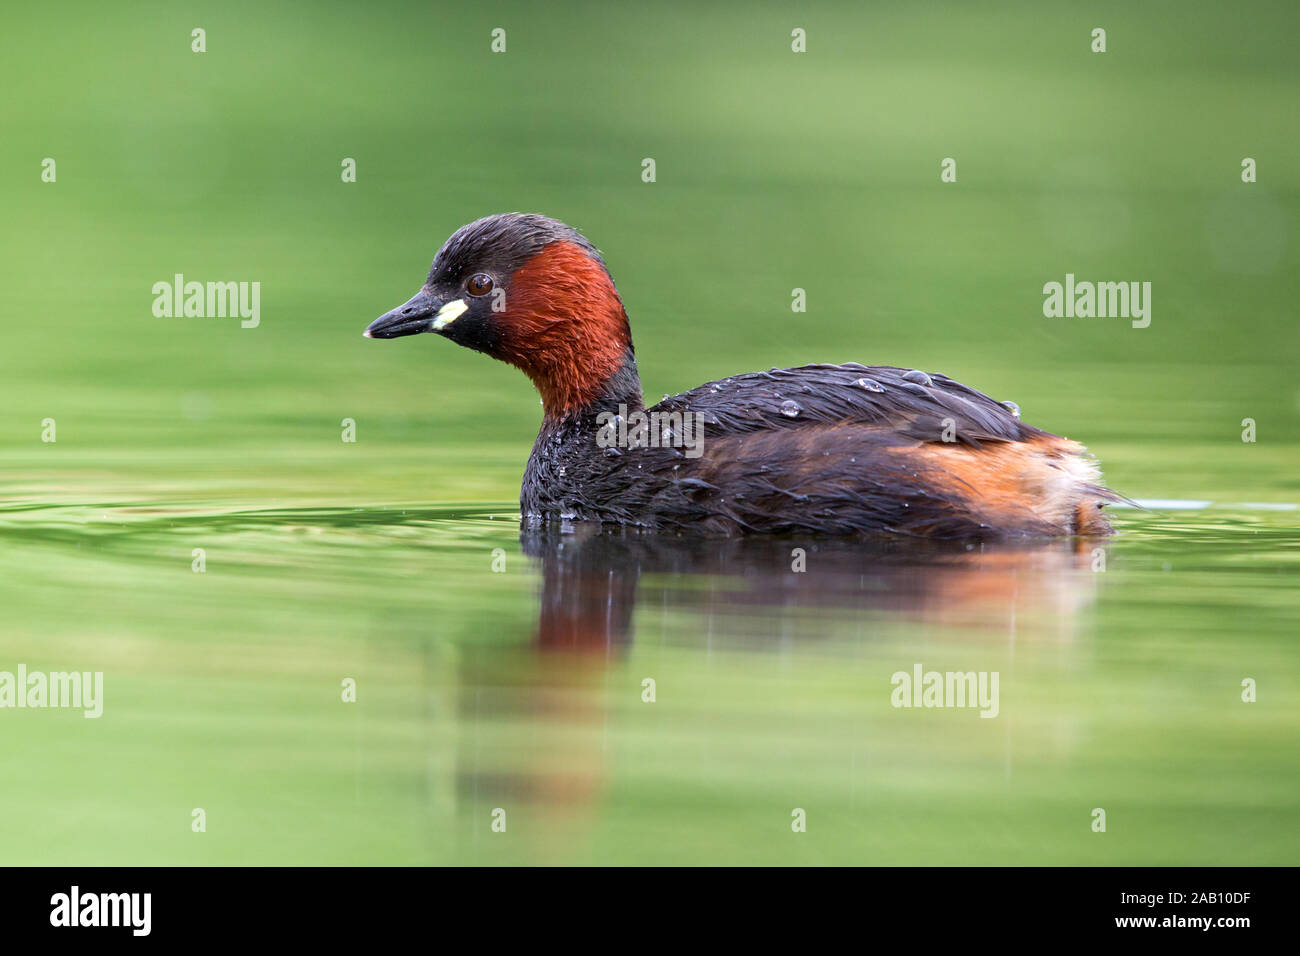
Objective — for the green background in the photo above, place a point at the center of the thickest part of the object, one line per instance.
(775, 170)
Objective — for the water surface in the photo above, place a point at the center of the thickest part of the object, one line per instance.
(522, 689)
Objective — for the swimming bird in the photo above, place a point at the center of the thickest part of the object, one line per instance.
(826, 449)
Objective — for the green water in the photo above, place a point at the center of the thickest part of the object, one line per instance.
(495, 670)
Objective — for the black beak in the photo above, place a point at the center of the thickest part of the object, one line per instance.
(415, 316)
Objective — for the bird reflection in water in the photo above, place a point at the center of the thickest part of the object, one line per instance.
(592, 580)
(782, 595)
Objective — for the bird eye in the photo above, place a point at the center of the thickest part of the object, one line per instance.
(479, 284)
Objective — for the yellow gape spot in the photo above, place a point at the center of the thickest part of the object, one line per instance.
(448, 314)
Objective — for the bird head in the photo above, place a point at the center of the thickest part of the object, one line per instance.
(529, 291)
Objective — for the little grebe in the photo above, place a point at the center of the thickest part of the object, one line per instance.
(834, 449)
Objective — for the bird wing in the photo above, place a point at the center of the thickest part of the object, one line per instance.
(917, 405)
